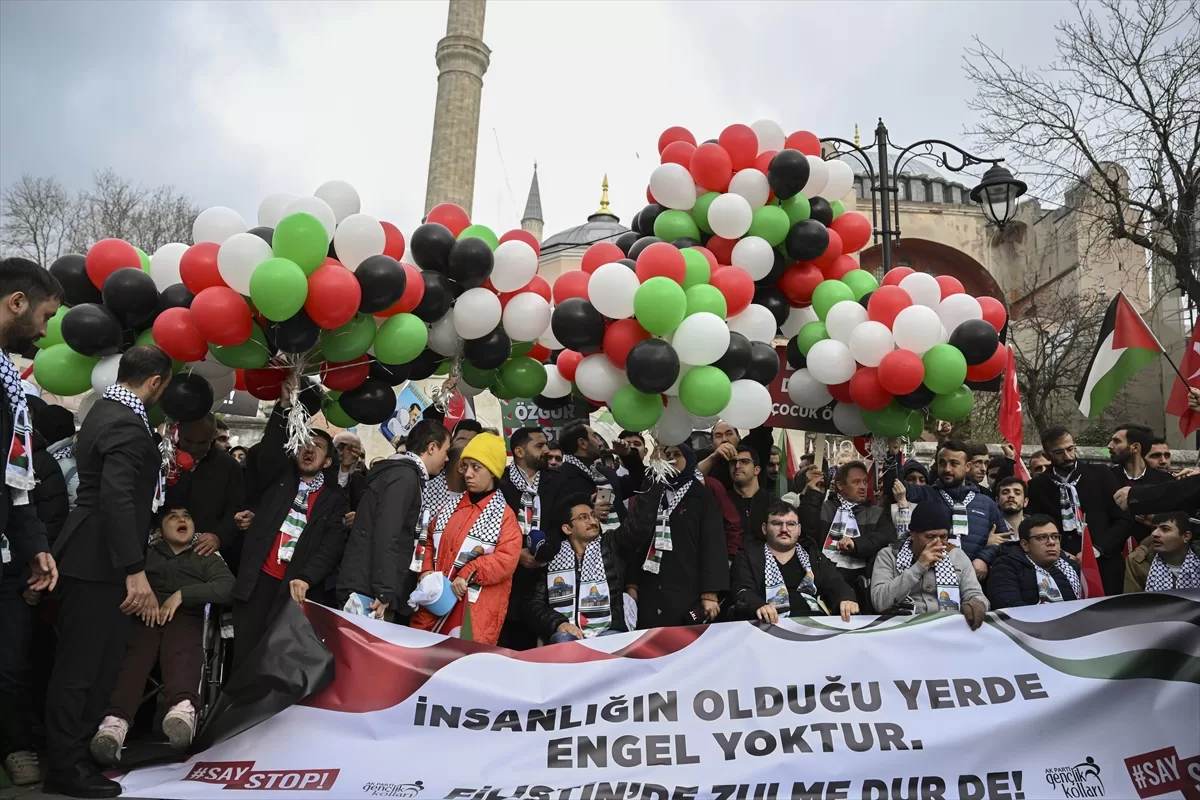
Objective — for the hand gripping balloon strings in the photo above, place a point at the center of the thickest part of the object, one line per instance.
(442, 395)
(660, 468)
(298, 418)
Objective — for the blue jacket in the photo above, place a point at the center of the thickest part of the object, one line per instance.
(982, 514)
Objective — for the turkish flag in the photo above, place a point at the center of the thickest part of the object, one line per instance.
(1189, 421)
(1012, 425)
(1089, 568)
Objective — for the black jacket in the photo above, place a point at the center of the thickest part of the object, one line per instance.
(48, 498)
(383, 537)
(753, 514)
(749, 582)
(1107, 523)
(875, 528)
(320, 547)
(212, 492)
(1151, 477)
(573, 480)
(105, 536)
(551, 494)
(25, 532)
(1012, 580)
(1181, 494)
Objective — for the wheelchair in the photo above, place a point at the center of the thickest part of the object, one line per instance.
(217, 628)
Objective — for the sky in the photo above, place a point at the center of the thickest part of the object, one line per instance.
(231, 101)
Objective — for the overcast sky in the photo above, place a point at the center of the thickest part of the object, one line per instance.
(231, 101)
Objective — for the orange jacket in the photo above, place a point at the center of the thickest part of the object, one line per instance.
(493, 571)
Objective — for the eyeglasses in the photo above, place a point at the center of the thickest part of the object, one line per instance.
(585, 517)
(786, 524)
(743, 462)
(1043, 538)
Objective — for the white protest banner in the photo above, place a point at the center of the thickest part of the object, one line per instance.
(1089, 699)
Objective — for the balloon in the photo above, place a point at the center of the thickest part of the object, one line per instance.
(797, 319)
(661, 260)
(770, 137)
(675, 424)
(429, 362)
(764, 363)
(749, 404)
(382, 282)
(476, 313)
(697, 268)
(798, 208)
(431, 245)
(860, 281)
(392, 374)
(901, 372)
(954, 406)
(741, 143)
(752, 185)
(556, 384)
(807, 240)
(771, 224)
(886, 303)
(579, 326)
(993, 311)
(515, 264)
(481, 232)
(788, 173)
(957, 309)
(945, 368)
(755, 323)
(300, 237)
(250, 354)
(188, 398)
(443, 338)
(333, 296)
(107, 256)
(840, 179)
(598, 379)
(634, 410)
(866, 391)
(526, 317)
(449, 215)
(684, 369)
(265, 384)
(91, 329)
(818, 176)
(345, 376)
(838, 208)
(335, 415)
(524, 376)
(652, 366)
(298, 334)
(675, 133)
(773, 300)
(237, 258)
(829, 293)
(175, 335)
(278, 288)
(266, 234)
(700, 210)
(626, 240)
(737, 286)
(371, 403)
(891, 420)
(848, 419)
(104, 374)
(950, 285)
(830, 362)
(349, 341)
(217, 224)
(701, 338)
(659, 305)
(916, 399)
(705, 298)
(798, 283)
(843, 317)
(571, 284)
(673, 186)
(164, 265)
(678, 153)
(895, 275)
(567, 363)
(315, 207)
(923, 289)
(221, 316)
(72, 274)
(358, 237)
(806, 391)
(53, 330)
(915, 328)
(675, 224)
(471, 262)
(620, 338)
(809, 335)
(722, 249)
(131, 296)
(705, 391)
(711, 166)
(270, 210)
(60, 370)
(976, 339)
(343, 200)
(986, 370)
(855, 230)
(198, 267)
(488, 352)
(755, 256)
(730, 216)
(735, 361)
(870, 342)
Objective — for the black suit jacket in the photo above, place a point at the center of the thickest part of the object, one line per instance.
(1108, 524)
(748, 582)
(105, 536)
(26, 533)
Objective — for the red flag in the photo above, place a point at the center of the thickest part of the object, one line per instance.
(1189, 421)
(1092, 585)
(1011, 420)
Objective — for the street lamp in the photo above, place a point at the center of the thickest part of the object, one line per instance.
(997, 193)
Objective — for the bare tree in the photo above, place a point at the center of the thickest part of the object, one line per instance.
(1124, 91)
(37, 215)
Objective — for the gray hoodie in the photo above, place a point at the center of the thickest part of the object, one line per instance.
(919, 582)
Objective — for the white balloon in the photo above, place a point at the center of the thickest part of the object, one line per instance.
(830, 362)
(341, 197)
(847, 418)
(476, 313)
(467, 390)
(270, 210)
(870, 342)
(924, 289)
(756, 323)
(797, 319)
(916, 328)
(944, 336)
(843, 318)
(684, 369)
(806, 391)
(443, 336)
(953, 311)
(556, 384)
(222, 388)
(672, 186)
(611, 289)
(770, 135)
(752, 185)
(818, 176)
(217, 224)
(514, 266)
(675, 424)
(318, 208)
(104, 374)
(598, 379)
(527, 316)
(164, 265)
(547, 339)
(749, 404)
(755, 255)
(730, 216)
(237, 259)
(701, 339)
(358, 237)
(840, 180)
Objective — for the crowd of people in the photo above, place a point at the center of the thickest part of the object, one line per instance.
(569, 539)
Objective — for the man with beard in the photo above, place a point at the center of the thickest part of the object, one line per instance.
(214, 490)
(1159, 456)
(1010, 496)
(1033, 570)
(1038, 463)
(582, 473)
(1127, 449)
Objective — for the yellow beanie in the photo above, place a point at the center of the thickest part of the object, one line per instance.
(488, 449)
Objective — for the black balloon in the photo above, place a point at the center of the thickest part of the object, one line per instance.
(71, 272)
(788, 173)
(470, 263)
(919, 398)
(371, 403)
(781, 263)
(298, 334)
(552, 403)
(578, 325)
(736, 360)
(430, 246)
(640, 245)
(439, 294)
(629, 262)
(635, 224)
(391, 374)
(647, 217)
(764, 363)
(490, 351)
(331, 252)
(807, 240)
(686, 241)
(175, 296)
(92, 330)
(865, 300)
(976, 339)
(131, 295)
(795, 358)
(187, 398)
(652, 366)
(424, 365)
(822, 212)
(626, 240)
(264, 233)
(773, 300)
(382, 280)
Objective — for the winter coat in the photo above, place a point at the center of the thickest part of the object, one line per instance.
(889, 589)
(982, 514)
(749, 583)
(731, 520)
(48, 499)
(1151, 477)
(1181, 494)
(213, 491)
(875, 528)
(67, 466)
(1107, 523)
(1137, 567)
(573, 480)
(1012, 579)
(198, 579)
(25, 532)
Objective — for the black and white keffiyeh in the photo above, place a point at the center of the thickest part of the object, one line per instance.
(672, 496)
(1068, 500)
(437, 504)
(1161, 577)
(18, 470)
(1048, 588)
(530, 517)
(521, 480)
(134, 403)
(777, 591)
(484, 533)
(416, 459)
(593, 612)
(944, 571)
(844, 523)
(596, 475)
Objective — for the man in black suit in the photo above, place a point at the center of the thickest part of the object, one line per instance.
(101, 552)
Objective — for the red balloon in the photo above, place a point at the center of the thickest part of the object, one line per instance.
(107, 256)
(522, 236)
(675, 134)
(393, 241)
(222, 316)
(266, 383)
(721, 248)
(599, 254)
(198, 267)
(678, 153)
(620, 338)
(741, 142)
(896, 274)
(568, 362)
(538, 285)
(650, 196)
(840, 266)
(347, 375)
(990, 368)
(805, 142)
(239, 380)
(993, 312)
(832, 252)
(176, 336)
(855, 230)
(711, 167)
(840, 392)
(798, 283)
(708, 254)
(866, 391)
(333, 296)
(901, 372)
(451, 215)
(886, 302)
(184, 461)
(950, 285)
(573, 283)
(763, 161)
(539, 352)
(737, 286)
(661, 259)
(414, 291)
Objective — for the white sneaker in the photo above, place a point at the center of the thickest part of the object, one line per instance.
(22, 767)
(108, 741)
(180, 724)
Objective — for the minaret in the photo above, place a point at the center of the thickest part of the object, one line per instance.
(604, 211)
(462, 58)
(532, 220)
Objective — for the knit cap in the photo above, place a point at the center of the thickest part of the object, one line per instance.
(488, 449)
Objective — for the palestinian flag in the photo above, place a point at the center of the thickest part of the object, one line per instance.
(1124, 346)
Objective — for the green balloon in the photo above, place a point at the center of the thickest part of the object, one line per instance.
(797, 208)
(955, 406)
(945, 368)
(674, 224)
(335, 415)
(771, 223)
(54, 329)
(301, 238)
(60, 370)
(660, 305)
(524, 376)
(838, 208)
(519, 349)
(501, 391)
(810, 334)
(400, 339)
(250, 354)
(705, 391)
(860, 282)
(332, 394)
(829, 293)
(479, 378)
(698, 269)
(889, 421)
(480, 232)
(916, 425)
(634, 410)
(700, 210)
(155, 415)
(349, 341)
(278, 288)
(145, 260)
(703, 297)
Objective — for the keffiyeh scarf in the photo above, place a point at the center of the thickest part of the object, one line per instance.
(1048, 591)
(844, 525)
(600, 480)
(670, 500)
(18, 470)
(134, 403)
(530, 517)
(959, 525)
(480, 540)
(584, 602)
(777, 591)
(945, 576)
(1068, 500)
(1161, 577)
(297, 518)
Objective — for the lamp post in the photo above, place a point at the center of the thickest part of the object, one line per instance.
(997, 193)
